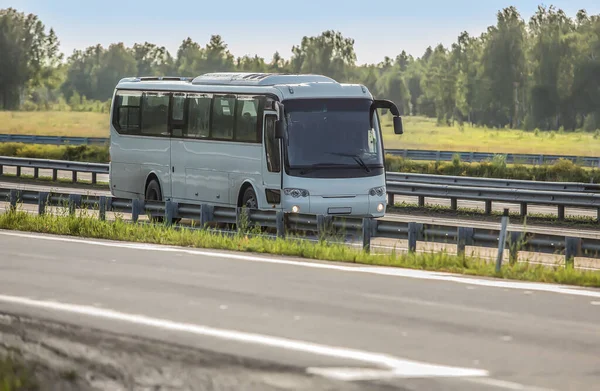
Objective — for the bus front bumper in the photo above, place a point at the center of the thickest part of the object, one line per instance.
(352, 206)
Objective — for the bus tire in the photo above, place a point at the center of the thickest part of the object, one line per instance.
(249, 199)
(154, 193)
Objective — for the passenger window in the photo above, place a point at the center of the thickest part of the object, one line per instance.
(198, 116)
(223, 116)
(246, 125)
(155, 113)
(126, 117)
(272, 145)
(178, 106)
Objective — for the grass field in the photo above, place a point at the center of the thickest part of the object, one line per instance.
(423, 133)
(420, 133)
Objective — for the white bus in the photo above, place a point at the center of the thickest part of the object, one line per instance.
(297, 143)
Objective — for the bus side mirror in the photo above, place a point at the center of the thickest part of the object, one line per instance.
(279, 129)
(398, 128)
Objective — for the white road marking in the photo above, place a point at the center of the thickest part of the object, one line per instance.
(398, 367)
(507, 385)
(595, 303)
(379, 270)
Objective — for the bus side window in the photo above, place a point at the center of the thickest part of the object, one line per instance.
(198, 116)
(155, 113)
(272, 145)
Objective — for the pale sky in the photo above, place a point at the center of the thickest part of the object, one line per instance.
(379, 28)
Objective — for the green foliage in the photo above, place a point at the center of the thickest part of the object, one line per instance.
(535, 74)
(80, 153)
(83, 225)
(15, 375)
(560, 171)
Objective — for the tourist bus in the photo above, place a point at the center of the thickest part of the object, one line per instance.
(297, 143)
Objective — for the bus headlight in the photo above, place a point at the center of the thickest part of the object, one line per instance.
(380, 207)
(295, 209)
(296, 193)
(377, 191)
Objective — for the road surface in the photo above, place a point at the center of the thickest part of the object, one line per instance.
(378, 327)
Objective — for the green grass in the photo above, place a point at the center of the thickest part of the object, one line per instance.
(420, 133)
(80, 153)
(15, 375)
(89, 227)
(54, 123)
(424, 133)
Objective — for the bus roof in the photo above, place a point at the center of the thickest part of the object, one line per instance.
(284, 85)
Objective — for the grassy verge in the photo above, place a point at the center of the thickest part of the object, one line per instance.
(89, 227)
(79, 153)
(15, 375)
(561, 171)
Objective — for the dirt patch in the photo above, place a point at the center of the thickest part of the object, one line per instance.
(51, 356)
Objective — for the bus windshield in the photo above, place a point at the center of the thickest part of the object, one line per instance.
(331, 133)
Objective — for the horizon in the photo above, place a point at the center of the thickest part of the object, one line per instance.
(246, 30)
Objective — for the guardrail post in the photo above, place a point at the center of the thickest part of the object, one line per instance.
(598, 215)
(366, 234)
(421, 201)
(453, 203)
(74, 179)
(465, 238)
(102, 208)
(572, 250)
(42, 200)
(74, 202)
(390, 197)
(502, 240)
(18, 171)
(94, 178)
(488, 207)
(170, 211)
(413, 236)
(54, 174)
(13, 198)
(206, 214)
(514, 247)
(137, 207)
(561, 212)
(323, 225)
(280, 223)
(523, 209)
(1, 169)
(36, 172)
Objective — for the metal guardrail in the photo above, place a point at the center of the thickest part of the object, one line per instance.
(53, 140)
(413, 154)
(55, 166)
(487, 190)
(493, 182)
(285, 224)
(511, 158)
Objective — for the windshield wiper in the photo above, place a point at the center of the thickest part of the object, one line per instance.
(355, 157)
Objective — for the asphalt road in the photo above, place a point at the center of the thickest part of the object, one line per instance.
(497, 206)
(379, 327)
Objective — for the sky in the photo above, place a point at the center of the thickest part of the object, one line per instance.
(379, 28)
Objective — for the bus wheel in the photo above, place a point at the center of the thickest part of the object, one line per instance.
(249, 199)
(153, 193)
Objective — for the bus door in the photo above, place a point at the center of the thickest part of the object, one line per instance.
(271, 172)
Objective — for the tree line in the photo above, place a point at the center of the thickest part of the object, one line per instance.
(543, 73)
